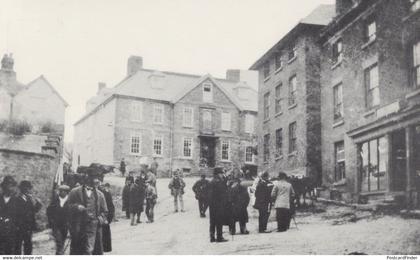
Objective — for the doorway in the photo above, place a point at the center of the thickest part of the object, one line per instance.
(207, 151)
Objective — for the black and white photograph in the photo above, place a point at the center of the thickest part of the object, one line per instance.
(210, 127)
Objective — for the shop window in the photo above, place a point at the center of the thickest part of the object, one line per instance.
(374, 160)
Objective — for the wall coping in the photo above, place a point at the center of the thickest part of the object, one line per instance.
(27, 153)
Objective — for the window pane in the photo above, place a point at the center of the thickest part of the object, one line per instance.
(374, 77)
(375, 97)
(364, 157)
(383, 162)
(416, 54)
(249, 154)
(374, 167)
(225, 150)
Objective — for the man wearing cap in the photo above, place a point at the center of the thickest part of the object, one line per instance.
(218, 204)
(201, 190)
(177, 185)
(57, 213)
(26, 208)
(7, 216)
(88, 212)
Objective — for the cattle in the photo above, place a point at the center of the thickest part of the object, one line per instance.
(304, 188)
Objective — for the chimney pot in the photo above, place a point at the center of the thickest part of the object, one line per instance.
(101, 86)
(134, 64)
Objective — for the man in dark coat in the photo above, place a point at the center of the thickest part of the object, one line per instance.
(26, 208)
(58, 217)
(126, 196)
(8, 216)
(263, 201)
(201, 190)
(88, 213)
(136, 199)
(123, 167)
(239, 199)
(106, 228)
(218, 204)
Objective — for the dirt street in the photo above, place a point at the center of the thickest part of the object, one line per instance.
(335, 230)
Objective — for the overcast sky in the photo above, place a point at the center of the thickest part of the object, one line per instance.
(77, 43)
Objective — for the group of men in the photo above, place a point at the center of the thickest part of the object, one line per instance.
(136, 193)
(228, 201)
(84, 212)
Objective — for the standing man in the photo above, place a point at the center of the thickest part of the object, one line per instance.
(26, 208)
(106, 228)
(218, 204)
(154, 166)
(239, 199)
(88, 213)
(151, 197)
(281, 194)
(123, 167)
(57, 213)
(177, 185)
(8, 202)
(201, 190)
(126, 196)
(262, 201)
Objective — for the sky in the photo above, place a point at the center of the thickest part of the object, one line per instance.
(77, 43)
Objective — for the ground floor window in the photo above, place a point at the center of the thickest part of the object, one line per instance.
(340, 161)
(374, 160)
(187, 151)
(135, 143)
(225, 150)
(249, 154)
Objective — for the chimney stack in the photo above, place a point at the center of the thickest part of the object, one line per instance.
(101, 86)
(134, 64)
(233, 75)
(342, 6)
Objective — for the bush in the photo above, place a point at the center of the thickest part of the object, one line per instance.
(47, 127)
(18, 128)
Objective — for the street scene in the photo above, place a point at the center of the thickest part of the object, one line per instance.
(220, 127)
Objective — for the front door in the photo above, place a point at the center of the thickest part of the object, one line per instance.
(207, 153)
(399, 161)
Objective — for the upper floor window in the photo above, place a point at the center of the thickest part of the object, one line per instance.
(337, 51)
(279, 142)
(292, 90)
(416, 62)
(292, 138)
(292, 53)
(158, 113)
(340, 162)
(277, 104)
(225, 150)
(135, 143)
(278, 61)
(372, 86)
(414, 5)
(207, 92)
(266, 70)
(266, 147)
(338, 102)
(370, 30)
(187, 117)
(267, 105)
(226, 120)
(136, 113)
(208, 119)
(249, 124)
(187, 147)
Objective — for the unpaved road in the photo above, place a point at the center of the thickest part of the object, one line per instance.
(187, 233)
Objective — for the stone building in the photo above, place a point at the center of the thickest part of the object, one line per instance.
(183, 121)
(370, 100)
(289, 130)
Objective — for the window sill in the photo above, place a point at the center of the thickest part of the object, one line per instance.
(278, 158)
(278, 70)
(338, 123)
(369, 113)
(292, 154)
(371, 193)
(336, 64)
(278, 114)
(292, 106)
(292, 60)
(267, 79)
(186, 158)
(225, 161)
(413, 94)
(157, 156)
(266, 120)
(367, 44)
(135, 154)
(250, 163)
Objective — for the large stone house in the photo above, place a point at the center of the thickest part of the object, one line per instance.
(183, 121)
(366, 68)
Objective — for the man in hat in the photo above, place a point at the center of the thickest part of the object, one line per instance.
(218, 204)
(26, 208)
(126, 196)
(263, 201)
(88, 213)
(151, 197)
(123, 167)
(106, 229)
(177, 185)
(201, 190)
(281, 195)
(7, 216)
(57, 213)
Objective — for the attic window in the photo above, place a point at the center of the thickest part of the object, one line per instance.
(207, 92)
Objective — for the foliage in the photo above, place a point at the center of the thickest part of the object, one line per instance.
(47, 127)
(18, 127)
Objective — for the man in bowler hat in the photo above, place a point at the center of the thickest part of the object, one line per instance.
(218, 204)
(7, 216)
